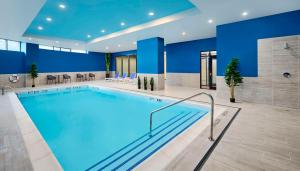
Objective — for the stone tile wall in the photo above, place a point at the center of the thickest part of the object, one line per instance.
(271, 87)
(184, 79)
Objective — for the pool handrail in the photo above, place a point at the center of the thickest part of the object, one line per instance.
(180, 101)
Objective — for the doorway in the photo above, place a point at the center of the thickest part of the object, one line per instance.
(208, 74)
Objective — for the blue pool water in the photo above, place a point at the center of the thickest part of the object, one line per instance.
(91, 128)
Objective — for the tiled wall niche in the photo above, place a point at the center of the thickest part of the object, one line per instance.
(275, 57)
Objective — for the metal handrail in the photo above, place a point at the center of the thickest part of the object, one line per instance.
(202, 93)
(3, 89)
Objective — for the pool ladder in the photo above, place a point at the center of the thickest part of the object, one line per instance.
(180, 101)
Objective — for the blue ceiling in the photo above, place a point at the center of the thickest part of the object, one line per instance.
(88, 17)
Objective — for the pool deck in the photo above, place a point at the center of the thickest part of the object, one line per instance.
(262, 137)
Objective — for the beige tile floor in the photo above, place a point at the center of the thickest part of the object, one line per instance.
(13, 154)
(262, 137)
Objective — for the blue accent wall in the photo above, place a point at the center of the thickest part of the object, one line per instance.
(49, 61)
(150, 56)
(32, 54)
(240, 39)
(124, 53)
(55, 61)
(11, 62)
(184, 57)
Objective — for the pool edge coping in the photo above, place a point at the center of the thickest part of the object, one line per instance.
(39, 152)
(51, 160)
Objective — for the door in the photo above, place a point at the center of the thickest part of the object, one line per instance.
(208, 62)
(132, 64)
(119, 65)
(126, 65)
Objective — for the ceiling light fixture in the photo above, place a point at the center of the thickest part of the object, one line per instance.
(183, 33)
(76, 44)
(88, 36)
(245, 14)
(62, 6)
(49, 19)
(134, 43)
(56, 41)
(122, 24)
(106, 48)
(103, 31)
(40, 28)
(210, 21)
(29, 38)
(151, 13)
(119, 45)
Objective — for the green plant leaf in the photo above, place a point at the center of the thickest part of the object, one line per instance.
(232, 74)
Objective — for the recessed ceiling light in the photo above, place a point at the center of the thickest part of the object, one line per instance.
(103, 31)
(119, 45)
(183, 33)
(122, 24)
(151, 13)
(210, 21)
(244, 13)
(106, 48)
(29, 38)
(88, 36)
(40, 28)
(62, 6)
(49, 19)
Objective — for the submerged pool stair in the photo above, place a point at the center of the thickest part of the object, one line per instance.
(139, 150)
(136, 152)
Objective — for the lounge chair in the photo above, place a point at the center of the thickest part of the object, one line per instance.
(114, 78)
(132, 77)
(79, 77)
(66, 77)
(91, 76)
(123, 78)
(51, 78)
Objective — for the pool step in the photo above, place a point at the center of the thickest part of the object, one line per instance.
(134, 153)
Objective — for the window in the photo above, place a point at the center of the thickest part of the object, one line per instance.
(46, 47)
(2, 44)
(23, 47)
(13, 46)
(56, 48)
(65, 50)
(78, 51)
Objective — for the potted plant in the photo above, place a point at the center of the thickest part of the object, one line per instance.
(107, 64)
(139, 82)
(233, 77)
(145, 83)
(152, 83)
(33, 73)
